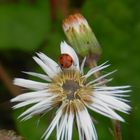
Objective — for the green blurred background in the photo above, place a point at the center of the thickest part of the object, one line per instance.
(29, 26)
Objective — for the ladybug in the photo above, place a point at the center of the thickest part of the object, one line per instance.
(65, 60)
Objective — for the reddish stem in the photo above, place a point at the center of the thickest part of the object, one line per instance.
(6, 79)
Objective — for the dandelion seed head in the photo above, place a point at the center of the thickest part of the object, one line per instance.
(70, 85)
(73, 93)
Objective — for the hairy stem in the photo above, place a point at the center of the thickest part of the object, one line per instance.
(116, 124)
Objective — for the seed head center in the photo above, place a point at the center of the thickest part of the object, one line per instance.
(70, 87)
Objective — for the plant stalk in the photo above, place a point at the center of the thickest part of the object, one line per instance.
(116, 124)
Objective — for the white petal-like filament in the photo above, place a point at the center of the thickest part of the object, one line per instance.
(95, 69)
(65, 48)
(30, 84)
(49, 62)
(54, 122)
(41, 76)
(82, 66)
(84, 123)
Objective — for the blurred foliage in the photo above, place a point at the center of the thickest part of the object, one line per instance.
(27, 26)
(23, 26)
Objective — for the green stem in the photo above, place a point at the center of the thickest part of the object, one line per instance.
(92, 63)
(116, 124)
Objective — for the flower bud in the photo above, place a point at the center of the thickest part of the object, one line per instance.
(80, 36)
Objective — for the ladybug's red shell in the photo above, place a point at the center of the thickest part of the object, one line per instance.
(65, 60)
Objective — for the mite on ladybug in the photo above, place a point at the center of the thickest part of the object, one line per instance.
(65, 60)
